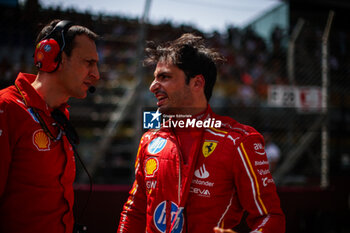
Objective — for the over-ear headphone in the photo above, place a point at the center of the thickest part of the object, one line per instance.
(47, 55)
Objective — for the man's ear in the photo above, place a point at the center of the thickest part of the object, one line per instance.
(63, 60)
(198, 82)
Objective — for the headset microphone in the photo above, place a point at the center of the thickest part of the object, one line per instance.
(92, 89)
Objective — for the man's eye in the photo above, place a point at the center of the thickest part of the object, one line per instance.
(90, 63)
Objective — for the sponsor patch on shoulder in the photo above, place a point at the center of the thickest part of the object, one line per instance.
(258, 148)
(156, 145)
(151, 166)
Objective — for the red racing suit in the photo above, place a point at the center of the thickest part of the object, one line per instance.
(225, 174)
(36, 173)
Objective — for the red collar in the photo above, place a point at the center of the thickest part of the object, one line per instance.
(32, 97)
(205, 114)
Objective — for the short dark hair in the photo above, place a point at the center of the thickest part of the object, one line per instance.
(72, 31)
(189, 54)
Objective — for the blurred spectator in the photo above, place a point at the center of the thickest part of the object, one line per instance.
(273, 152)
(276, 38)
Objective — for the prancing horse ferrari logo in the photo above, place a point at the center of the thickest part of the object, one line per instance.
(208, 147)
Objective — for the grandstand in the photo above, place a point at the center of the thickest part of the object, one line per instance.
(312, 170)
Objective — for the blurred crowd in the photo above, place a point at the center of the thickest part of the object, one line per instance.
(242, 80)
(252, 62)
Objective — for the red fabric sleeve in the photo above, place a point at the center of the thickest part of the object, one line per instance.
(256, 188)
(133, 216)
(5, 155)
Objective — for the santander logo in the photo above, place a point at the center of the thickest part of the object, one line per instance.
(201, 173)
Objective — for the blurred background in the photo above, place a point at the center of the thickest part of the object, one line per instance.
(287, 74)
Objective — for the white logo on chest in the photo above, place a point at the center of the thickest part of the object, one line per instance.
(201, 173)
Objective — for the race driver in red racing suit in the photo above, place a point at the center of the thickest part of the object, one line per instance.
(195, 179)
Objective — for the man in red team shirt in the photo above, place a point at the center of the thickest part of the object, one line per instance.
(197, 177)
(37, 166)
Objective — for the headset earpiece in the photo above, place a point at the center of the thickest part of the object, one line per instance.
(47, 55)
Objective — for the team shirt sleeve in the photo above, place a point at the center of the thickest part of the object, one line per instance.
(133, 216)
(5, 155)
(256, 188)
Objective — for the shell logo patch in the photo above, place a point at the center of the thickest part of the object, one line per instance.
(156, 145)
(208, 147)
(41, 141)
(151, 166)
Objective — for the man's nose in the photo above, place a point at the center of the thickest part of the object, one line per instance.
(94, 73)
(154, 86)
